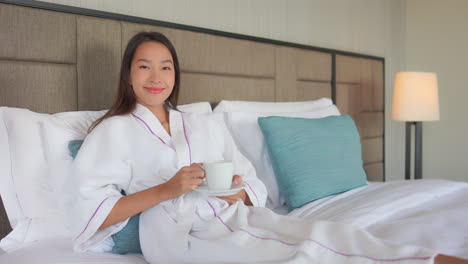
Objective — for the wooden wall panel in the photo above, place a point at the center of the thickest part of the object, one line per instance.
(348, 99)
(204, 53)
(313, 65)
(374, 171)
(37, 35)
(286, 74)
(213, 88)
(359, 93)
(372, 150)
(370, 124)
(348, 69)
(312, 90)
(99, 58)
(40, 87)
(378, 85)
(302, 74)
(366, 83)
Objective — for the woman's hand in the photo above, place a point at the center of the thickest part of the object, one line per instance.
(241, 195)
(185, 180)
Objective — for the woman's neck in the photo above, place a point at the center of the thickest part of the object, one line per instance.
(162, 115)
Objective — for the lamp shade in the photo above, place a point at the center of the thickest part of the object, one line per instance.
(415, 97)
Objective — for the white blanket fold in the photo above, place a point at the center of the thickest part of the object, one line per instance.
(242, 234)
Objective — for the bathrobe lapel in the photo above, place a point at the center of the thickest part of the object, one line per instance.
(180, 138)
(177, 141)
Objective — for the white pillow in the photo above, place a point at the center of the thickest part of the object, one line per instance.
(199, 108)
(249, 139)
(31, 192)
(8, 195)
(64, 127)
(27, 161)
(32, 213)
(272, 107)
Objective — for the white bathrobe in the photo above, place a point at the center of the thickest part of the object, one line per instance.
(134, 152)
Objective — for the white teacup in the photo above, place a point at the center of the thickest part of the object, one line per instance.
(218, 174)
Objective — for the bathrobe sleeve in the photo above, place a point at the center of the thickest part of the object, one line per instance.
(100, 171)
(255, 188)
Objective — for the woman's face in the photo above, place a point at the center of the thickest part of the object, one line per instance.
(152, 74)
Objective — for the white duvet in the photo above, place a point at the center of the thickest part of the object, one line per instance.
(430, 213)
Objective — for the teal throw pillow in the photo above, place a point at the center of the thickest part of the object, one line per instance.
(74, 146)
(313, 158)
(126, 240)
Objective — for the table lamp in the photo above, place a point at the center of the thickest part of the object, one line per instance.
(415, 99)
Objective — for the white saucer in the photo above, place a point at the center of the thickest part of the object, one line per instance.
(203, 188)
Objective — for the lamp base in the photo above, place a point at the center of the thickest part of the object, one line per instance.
(417, 150)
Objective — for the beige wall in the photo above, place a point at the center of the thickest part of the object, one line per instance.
(341, 24)
(437, 41)
(394, 29)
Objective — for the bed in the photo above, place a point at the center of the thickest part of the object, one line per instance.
(48, 97)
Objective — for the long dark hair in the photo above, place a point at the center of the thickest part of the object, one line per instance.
(125, 101)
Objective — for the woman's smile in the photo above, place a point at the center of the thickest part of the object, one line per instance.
(154, 90)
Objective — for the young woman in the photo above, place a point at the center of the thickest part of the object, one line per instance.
(153, 152)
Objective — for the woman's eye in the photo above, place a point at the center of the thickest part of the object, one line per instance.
(143, 67)
(166, 68)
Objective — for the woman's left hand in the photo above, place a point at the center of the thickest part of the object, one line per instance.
(241, 195)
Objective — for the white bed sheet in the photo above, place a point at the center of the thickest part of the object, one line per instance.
(429, 213)
(59, 251)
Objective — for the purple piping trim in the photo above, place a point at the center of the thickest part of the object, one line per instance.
(316, 242)
(219, 218)
(230, 229)
(212, 208)
(253, 192)
(149, 128)
(266, 238)
(367, 257)
(186, 139)
(97, 209)
(335, 251)
(185, 134)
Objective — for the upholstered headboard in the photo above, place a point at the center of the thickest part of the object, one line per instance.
(55, 59)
